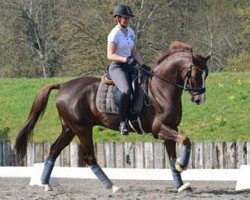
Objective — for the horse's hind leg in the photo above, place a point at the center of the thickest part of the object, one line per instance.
(62, 141)
(89, 157)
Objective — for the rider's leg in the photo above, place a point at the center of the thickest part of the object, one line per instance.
(123, 112)
(119, 75)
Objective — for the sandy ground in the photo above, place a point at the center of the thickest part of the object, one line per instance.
(76, 189)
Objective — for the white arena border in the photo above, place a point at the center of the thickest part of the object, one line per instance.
(125, 173)
(34, 173)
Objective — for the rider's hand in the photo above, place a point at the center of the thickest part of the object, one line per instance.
(131, 61)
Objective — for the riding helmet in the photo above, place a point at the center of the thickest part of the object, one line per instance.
(122, 10)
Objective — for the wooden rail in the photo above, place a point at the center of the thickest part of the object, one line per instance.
(205, 155)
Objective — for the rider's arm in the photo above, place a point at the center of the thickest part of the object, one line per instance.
(112, 56)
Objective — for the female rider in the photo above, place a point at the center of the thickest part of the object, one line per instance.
(121, 51)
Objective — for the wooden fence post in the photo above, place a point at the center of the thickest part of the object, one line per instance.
(129, 154)
(208, 155)
(119, 154)
(241, 154)
(218, 153)
(100, 155)
(1, 153)
(110, 154)
(159, 155)
(7, 154)
(74, 157)
(230, 155)
(149, 155)
(248, 153)
(65, 157)
(38, 153)
(139, 155)
(199, 155)
(30, 154)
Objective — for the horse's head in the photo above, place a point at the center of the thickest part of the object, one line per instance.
(195, 77)
(192, 69)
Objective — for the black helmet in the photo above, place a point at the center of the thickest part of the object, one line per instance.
(122, 10)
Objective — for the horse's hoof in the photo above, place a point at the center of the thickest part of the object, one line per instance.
(187, 191)
(47, 187)
(185, 188)
(116, 189)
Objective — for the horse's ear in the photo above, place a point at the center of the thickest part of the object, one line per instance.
(208, 56)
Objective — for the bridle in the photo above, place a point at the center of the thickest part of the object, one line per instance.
(187, 85)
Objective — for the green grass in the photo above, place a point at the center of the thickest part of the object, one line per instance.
(226, 114)
(224, 117)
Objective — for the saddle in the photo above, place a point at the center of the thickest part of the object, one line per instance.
(107, 98)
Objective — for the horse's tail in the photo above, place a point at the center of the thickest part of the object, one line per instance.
(37, 110)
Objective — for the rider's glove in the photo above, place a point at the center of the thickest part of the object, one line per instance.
(145, 67)
(131, 61)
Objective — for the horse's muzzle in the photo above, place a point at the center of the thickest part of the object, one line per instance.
(198, 98)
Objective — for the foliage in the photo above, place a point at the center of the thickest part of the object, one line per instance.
(239, 63)
(40, 38)
(224, 117)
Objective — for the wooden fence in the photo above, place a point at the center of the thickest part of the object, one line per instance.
(207, 155)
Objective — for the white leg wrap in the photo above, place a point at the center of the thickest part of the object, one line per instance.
(47, 187)
(183, 187)
(116, 189)
(178, 166)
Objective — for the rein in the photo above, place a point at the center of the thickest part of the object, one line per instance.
(185, 87)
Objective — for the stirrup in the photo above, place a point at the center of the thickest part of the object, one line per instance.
(123, 128)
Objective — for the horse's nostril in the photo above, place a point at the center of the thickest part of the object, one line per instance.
(197, 101)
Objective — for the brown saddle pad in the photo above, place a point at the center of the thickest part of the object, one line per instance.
(105, 101)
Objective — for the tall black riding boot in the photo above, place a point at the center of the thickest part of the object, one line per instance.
(123, 112)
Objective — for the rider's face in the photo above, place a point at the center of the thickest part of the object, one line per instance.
(124, 21)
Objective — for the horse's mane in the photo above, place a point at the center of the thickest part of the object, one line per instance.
(175, 47)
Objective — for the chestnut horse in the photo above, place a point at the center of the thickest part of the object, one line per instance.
(178, 69)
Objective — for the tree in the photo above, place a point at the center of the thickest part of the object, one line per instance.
(215, 28)
(69, 37)
(34, 23)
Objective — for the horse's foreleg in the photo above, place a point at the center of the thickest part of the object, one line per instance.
(89, 157)
(177, 165)
(167, 133)
(182, 162)
(62, 141)
(171, 151)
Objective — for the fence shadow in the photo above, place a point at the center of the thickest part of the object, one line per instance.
(223, 191)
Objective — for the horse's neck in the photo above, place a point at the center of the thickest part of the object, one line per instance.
(163, 93)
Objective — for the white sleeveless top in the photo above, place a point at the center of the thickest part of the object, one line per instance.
(124, 43)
